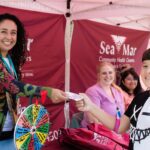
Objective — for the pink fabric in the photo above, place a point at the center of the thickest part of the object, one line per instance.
(96, 137)
(127, 99)
(105, 102)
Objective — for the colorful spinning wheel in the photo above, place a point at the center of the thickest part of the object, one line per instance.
(32, 128)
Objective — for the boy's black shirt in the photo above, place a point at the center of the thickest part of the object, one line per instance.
(133, 111)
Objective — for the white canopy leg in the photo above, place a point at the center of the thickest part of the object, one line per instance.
(68, 39)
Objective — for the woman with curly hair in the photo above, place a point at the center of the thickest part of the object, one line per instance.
(12, 57)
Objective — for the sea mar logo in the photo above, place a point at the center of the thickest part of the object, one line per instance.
(119, 41)
(119, 46)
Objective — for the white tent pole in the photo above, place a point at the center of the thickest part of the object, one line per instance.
(68, 39)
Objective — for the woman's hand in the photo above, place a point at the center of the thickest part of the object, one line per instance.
(85, 104)
(58, 96)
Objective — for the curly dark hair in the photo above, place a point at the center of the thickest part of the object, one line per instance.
(131, 71)
(18, 52)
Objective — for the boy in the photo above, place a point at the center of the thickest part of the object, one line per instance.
(137, 116)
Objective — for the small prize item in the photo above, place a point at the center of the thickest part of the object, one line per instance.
(32, 128)
(74, 96)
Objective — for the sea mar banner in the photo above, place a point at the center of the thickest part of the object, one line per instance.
(45, 62)
(95, 42)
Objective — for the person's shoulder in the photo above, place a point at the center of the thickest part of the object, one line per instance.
(143, 95)
(139, 100)
(146, 93)
(93, 89)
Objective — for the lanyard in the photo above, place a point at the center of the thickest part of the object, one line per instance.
(10, 69)
(118, 113)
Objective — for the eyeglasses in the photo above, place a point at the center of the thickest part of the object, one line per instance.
(131, 79)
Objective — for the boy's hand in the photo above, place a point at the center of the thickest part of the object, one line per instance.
(85, 104)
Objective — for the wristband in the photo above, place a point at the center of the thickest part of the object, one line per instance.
(117, 124)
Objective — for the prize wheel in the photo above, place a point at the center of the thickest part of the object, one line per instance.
(32, 128)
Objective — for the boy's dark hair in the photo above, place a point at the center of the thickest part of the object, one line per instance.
(146, 55)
